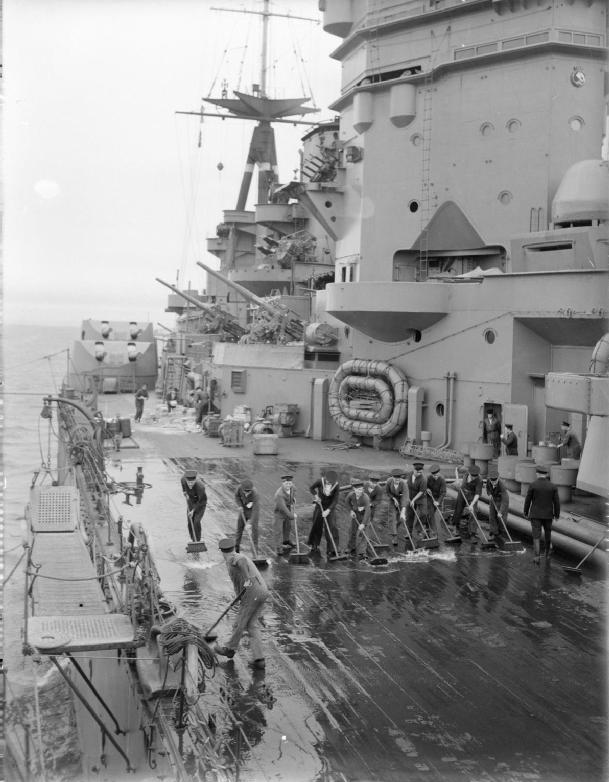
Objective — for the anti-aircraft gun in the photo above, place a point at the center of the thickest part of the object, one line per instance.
(279, 323)
(217, 320)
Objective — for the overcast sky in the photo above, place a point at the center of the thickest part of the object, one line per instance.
(106, 187)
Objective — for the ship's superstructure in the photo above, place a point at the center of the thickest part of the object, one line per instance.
(461, 195)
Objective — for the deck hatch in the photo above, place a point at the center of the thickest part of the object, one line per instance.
(56, 634)
(55, 509)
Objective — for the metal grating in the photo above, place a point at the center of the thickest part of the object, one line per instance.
(57, 634)
(55, 509)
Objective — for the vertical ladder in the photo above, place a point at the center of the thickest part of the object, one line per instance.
(426, 127)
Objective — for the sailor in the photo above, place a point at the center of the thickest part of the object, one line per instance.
(140, 395)
(510, 441)
(248, 502)
(499, 501)
(375, 494)
(569, 444)
(245, 576)
(358, 504)
(284, 513)
(468, 495)
(436, 492)
(193, 489)
(397, 493)
(172, 399)
(541, 507)
(417, 498)
(325, 493)
(492, 430)
(201, 405)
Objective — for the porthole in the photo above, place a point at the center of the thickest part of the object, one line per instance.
(416, 335)
(333, 219)
(513, 125)
(328, 204)
(490, 335)
(413, 206)
(486, 128)
(440, 409)
(504, 197)
(576, 124)
(416, 139)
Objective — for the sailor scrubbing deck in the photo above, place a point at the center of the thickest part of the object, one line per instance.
(247, 580)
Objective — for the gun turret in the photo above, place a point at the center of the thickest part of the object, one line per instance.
(226, 321)
(287, 320)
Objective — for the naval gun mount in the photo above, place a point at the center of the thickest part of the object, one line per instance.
(275, 322)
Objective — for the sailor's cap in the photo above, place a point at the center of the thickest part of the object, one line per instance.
(331, 476)
(474, 470)
(434, 469)
(247, 484)
(190, 475)
(286, 477)
(357, 483)
(397, 472)
(540, 470)
(565, 423)
(418, 465)
(226, 544)
(493, 473)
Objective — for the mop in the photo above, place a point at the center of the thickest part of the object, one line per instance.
(428, 541)
(337, 557)
(577, 571)
(451, 540)
(510, 544)
(486, 543)
(297, 557)
(376, 560)
(409, 536)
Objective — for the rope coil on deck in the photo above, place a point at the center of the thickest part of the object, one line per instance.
(176, 634)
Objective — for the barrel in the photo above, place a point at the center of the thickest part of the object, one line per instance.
(480, 451)
(265, 444)
(564, 478)
(125, 427)
(544, 454)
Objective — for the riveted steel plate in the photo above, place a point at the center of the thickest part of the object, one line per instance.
(55, 509)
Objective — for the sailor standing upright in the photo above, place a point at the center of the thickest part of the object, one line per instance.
(284, 514)
(140, 397)
(358, 504)
(417, 498)
(397, 493)
(193, 489)
(499, 501)
(325, 493)
(436, 492)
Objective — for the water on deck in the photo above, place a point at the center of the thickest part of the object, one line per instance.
(456, 664)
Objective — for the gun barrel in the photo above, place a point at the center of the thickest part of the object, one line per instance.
(230, 323)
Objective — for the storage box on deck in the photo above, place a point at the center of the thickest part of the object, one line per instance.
(232, 433)
(212, 425)
(265, 444)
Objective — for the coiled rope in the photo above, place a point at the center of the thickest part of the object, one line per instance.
(177, 633)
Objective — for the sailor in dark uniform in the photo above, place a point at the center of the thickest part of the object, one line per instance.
(510, 441)
(325, 493)
(248, 502)
(417, 498)
(569, 444)
(541, 507)
(499, 501)
(193, 489)
(492, 431)
(358, 504)
(284, 514)
(436, 492)
(468, 496)
(397, 493)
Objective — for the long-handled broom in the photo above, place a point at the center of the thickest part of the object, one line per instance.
(451, 540)
(510, 544)
(209, 636)
(336, 557)
(577, 571)
(376, 560)
(260, 562)
(428, 541)
(298, 557)
(195, 546)
(408, 535)
(486, 543)
(378, 545)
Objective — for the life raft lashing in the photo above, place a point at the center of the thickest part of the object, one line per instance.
(368, 398)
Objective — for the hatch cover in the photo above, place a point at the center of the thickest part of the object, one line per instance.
(57, 634)
(55, 509)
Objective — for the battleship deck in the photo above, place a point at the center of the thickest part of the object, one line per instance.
(450, 665)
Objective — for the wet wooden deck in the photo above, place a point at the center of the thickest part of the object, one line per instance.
(445, 665)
